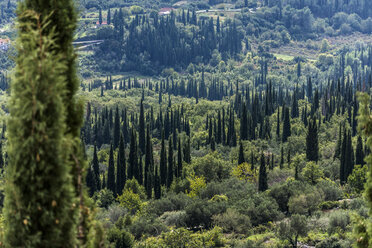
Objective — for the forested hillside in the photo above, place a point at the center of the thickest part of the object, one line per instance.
(206, 123)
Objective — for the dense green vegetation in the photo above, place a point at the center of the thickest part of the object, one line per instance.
(226, 128)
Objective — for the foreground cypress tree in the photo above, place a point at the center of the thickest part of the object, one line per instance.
(170, 163)
(37, 150)
(121, 168)
(241, 154)
(286, 126)
(363, 228)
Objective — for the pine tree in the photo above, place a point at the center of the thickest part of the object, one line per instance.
(312, 145)
(170, 171)
(241, 154)
(111, 185)
(163, 161)
(36, 136)
(121, 167)
(262, 177)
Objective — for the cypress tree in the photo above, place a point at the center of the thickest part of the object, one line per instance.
(1, 157)
(262, 177)
(140, 171)
(133, 157)
(91, 182)
(109, 16)
(286, 126)
(38, 133)
(179, 159)
(343, 159)
(142, 136)
(163, 161)
(359, 153)
(312, 147)
(338, 145)
(157, 184)
(278, 124)
(95, 166)
(281, 158)
(116, 134)
(121, 176)
(100, 17)
(241, 154)
(148, 164)
(243, 124)
(170, 171)
(111, 185)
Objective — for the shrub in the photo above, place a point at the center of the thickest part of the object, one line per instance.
(174, 218)
(332, 192)
(232, 221)
(147, 226)
(329, 205)
(120, 238)
(103, 198)
(199, 213)
(338, 221)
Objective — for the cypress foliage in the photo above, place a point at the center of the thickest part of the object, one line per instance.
(133, 158)
(363, 230)
(241, 154)
(142, 136)
(286, 126)
(244, 124)
(157, 184)
(170, 171)
(338, 145)
(91, 182)
(262, 177)
(121, 176)
(148, 164)
(343, 159)
(359, 153)
(36, 130)
(116, 134)
(281, 158)
(111, 185)
(179, 159)
(163, 161)
(187, 152)
(312, 145)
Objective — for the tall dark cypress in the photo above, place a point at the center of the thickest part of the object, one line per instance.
(111, 185)
(281, 158)
(116, 133)
(241, 154)
(91, 182)
(286, 126)
(121, 176)
(157, 184)
(133, 157)
(262, 177)
(343, 159)
(312, 143)
(142, 137)
(95, 166)
(278, 124)
(109, 16)
(179, 159)
(170, 171)
(359, 152)
(243, 124)
(148, 165)
(163, 161)
(187, 152)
